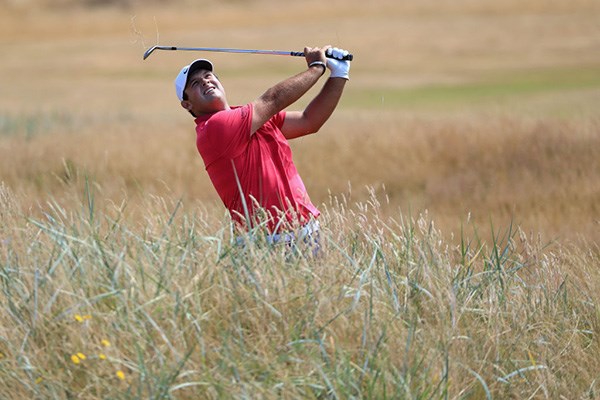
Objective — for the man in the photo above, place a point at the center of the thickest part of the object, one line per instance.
(245, 148)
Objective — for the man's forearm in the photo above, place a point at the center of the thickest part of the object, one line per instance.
(322, 106)
(289, 91)
(318, 111)
(284, 94)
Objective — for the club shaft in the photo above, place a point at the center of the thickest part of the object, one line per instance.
(227, 50)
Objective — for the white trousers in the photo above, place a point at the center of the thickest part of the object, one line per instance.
(305, 232)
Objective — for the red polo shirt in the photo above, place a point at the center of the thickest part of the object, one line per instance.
(259, 166)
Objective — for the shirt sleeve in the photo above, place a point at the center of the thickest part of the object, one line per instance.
(278, 119)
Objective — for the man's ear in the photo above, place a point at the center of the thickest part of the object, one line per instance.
(186, 104)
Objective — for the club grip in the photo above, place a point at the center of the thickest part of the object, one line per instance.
(348, 57)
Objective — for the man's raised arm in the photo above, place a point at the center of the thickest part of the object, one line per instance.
(300, 123)
(289, 91)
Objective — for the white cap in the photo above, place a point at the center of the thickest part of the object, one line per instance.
(181, 80)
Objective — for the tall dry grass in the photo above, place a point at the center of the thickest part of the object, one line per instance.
(98, 305)
(542, 174)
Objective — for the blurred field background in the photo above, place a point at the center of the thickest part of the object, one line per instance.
(468, 109)
(459, 181)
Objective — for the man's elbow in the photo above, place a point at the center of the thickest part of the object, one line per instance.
(313, 129)
(312, 125)
(297, 133)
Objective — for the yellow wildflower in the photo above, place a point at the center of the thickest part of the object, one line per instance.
(87, 316)
(121, 375)
(105, 343)
(78, 318)
(531, 358)
(75, 359)
(81, 356)
(102, 356)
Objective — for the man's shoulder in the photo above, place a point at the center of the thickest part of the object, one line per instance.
(242, 110)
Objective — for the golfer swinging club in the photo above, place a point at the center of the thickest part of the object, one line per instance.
(245, 148)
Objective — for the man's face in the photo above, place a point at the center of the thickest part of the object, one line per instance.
(205, 94)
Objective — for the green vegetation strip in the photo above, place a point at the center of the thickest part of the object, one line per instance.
(498, 87)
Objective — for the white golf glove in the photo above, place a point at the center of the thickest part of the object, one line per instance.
(339, 67)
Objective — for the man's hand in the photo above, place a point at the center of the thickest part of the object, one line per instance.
(312, 54)
(339, 68)
(315, 56)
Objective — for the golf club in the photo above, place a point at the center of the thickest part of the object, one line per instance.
(348, 57)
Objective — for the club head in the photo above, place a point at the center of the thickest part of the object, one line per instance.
(149, 51)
